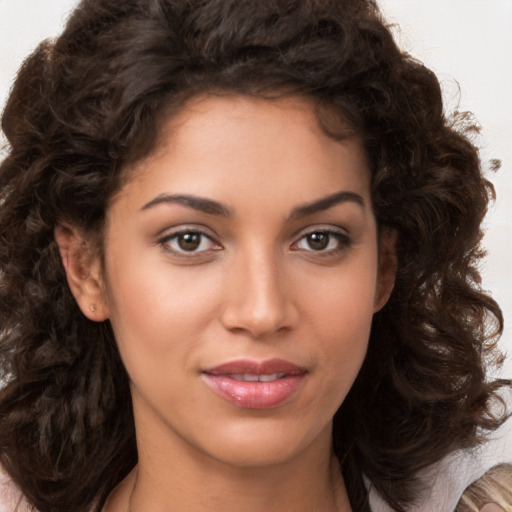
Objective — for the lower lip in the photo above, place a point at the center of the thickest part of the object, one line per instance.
(255, 395)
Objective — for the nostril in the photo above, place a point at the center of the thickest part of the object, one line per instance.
(259, 322)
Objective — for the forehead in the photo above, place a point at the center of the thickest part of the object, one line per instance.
(241, 145)
(237, 112)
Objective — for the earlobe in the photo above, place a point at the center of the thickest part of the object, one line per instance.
(387, 267)
(83, 271)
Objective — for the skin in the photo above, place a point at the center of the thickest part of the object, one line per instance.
(255, 288)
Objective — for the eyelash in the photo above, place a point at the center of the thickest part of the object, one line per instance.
(166, 241)
(342, 240)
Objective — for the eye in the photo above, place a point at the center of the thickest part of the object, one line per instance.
(189, 241)
(322, 241)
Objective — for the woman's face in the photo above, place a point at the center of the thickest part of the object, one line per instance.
(241, 275)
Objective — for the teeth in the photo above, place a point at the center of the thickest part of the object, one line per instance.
(248, 377)
(268, 378)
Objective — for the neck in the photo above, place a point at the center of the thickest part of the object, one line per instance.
(174, 475)
(311, 481)
(277, 489)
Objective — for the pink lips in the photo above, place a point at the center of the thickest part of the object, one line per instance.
(255, 385)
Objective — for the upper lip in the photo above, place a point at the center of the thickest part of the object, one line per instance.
(247, 366)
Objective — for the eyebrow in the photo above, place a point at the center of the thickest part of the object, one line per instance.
(197, 203)
(212, 207)
(325, 203)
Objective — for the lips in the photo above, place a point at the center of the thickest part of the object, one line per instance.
(255, 385)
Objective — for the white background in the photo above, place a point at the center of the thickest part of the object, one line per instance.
(466, 42)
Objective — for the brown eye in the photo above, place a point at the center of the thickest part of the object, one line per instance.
(326, 242)
(318, 241)
(189, 241)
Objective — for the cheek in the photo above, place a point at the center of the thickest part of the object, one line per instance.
(345, 335)
(340, 314)
(343, 300)
(158, 314)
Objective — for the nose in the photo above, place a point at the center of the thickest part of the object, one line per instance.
(258, 299)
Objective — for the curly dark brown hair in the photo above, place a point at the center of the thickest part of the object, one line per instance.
(87, 105)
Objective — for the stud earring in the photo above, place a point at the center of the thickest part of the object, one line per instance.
(92, 307)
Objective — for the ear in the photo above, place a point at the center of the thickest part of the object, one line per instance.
(83, 271)
(387, 267)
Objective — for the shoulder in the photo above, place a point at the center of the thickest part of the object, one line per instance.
(445, 481)
(11, 499)
(461, 469)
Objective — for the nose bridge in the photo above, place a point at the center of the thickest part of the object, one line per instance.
(257, 300)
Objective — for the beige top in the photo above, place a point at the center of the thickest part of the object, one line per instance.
(10, 496)
(446, 480)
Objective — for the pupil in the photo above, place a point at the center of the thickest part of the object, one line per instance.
(318, 241)
(189, 241)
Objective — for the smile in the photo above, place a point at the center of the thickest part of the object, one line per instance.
(255, 385)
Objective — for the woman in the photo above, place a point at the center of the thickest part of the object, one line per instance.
(239, 265)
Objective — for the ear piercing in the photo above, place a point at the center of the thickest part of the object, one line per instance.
(92, 307)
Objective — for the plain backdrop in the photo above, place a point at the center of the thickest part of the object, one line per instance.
(468, 43)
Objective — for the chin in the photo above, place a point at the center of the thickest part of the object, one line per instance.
(265, 443)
